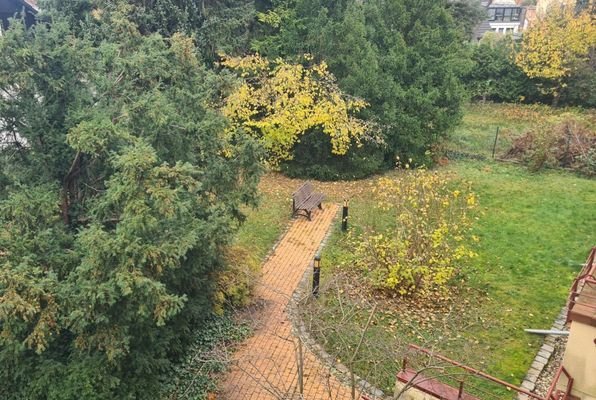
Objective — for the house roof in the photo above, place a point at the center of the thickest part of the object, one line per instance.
(31, 4)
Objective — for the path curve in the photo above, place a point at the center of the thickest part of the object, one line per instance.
(264, 366)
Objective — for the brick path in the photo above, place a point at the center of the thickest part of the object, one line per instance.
(265, 366)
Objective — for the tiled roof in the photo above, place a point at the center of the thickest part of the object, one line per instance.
(32, 4)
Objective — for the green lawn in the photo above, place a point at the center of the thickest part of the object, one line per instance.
(535, 231)
(264, 224)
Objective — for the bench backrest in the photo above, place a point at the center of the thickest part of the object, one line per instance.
(303, 193)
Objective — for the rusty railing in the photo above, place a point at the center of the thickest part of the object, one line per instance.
(587, 276)
(553, 392)
(477, 373)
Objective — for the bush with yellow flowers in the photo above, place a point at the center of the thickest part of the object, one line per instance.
(429, 237)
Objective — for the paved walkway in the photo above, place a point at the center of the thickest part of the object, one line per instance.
(265, 366)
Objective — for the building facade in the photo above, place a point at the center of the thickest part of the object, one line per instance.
(505, 17)
(26, 9)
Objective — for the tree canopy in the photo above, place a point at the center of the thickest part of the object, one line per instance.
(278, 102)
(401, 56)
(556, 46)
(120, 189)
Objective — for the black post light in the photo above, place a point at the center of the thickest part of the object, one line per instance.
(344, 216)
(316, 275)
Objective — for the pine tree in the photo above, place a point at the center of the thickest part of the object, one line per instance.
(120, 189)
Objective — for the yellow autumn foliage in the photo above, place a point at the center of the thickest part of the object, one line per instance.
(429, 237)
(552, 46)
(277, 102)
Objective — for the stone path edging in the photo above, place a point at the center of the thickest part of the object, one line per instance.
(543, 355)
(341, 372)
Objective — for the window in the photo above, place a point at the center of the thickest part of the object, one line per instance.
(516, 14)
(491, 14)
(504, 14)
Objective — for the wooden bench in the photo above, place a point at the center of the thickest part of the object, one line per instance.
(305, 200)
(433, 387)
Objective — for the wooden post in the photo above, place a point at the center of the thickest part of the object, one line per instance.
(461, 390)
(495, 144)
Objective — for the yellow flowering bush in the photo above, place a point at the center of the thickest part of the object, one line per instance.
(429, 236)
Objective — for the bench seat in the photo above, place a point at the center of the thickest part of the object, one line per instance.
(305, 200)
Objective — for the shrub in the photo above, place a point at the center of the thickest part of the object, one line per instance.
(312, 158)
(195, 377)
(235, 282)
(495, 76)
(429, 235)
(569, 143)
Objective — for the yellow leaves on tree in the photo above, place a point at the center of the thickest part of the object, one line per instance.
(278, 102)
(552, 46)
(428, 236)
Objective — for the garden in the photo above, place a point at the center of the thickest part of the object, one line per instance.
(529, 233)
(522, 237)
(149, 151)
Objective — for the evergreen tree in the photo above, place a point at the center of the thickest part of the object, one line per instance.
(402, 56)
(119, 192)
(495, 76)
(217, 25)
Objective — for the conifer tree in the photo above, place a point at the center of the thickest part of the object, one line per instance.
(119, 190)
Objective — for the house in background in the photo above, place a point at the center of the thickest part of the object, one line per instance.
(506, 17)
(26, 9)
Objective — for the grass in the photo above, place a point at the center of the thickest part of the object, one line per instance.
(476, 134)
(535, 230)
(264, 224)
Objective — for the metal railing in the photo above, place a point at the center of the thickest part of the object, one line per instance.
(473, 372)
(587, 276)
(553, 392)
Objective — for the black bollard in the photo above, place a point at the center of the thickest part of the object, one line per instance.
(344, 217)
(316, 275)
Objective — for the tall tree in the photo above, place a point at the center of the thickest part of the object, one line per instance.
(401, 56)
(554, 47)
(467, 14)
(120, 189)
(279, 102)
(495, 76)
(217, 25)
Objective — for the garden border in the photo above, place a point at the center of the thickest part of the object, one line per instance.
(341, 372)
(543, 356)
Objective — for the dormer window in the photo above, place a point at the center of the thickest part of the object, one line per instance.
(506, 14)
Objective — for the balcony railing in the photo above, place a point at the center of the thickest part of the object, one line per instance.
(461, 390)
(586, 277)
